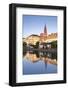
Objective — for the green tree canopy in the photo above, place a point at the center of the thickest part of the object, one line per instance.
(54, 44)
(37, 45)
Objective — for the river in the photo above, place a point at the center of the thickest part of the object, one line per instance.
(37, 62)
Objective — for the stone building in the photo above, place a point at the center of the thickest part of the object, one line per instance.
(43, 36)
(44, 39)
(32, 39)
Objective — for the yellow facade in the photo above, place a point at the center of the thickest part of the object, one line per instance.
(32, 39)
(42, 37)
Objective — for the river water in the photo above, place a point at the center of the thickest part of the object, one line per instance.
(35, 62)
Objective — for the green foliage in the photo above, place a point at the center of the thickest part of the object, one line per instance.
(24, 46)
(54, 44)
(37, 45)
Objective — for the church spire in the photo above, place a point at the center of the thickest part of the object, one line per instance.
(45, 29)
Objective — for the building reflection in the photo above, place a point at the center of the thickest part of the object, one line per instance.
(32, 56)
(46, 57)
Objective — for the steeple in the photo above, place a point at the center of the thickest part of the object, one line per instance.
(45, 30)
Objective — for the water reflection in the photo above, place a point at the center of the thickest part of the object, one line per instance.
(35, 62)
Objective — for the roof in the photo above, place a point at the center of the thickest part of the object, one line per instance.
(34, 35)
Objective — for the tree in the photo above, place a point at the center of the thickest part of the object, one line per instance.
(37, 45)
(54, 44)
(24, 44)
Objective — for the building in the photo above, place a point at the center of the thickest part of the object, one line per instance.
(46, 39)
(43, 38)
(32, 39)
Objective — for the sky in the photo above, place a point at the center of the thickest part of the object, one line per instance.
(33, 24)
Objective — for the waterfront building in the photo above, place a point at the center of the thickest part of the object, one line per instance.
(43, 38)
(32, 39)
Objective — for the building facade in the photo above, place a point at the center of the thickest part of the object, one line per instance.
(32, 39)
(46, 39)
(42, 38)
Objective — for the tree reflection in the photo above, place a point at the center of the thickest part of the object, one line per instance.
(41, 55)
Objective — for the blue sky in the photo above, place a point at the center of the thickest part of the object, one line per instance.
(35, 24)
